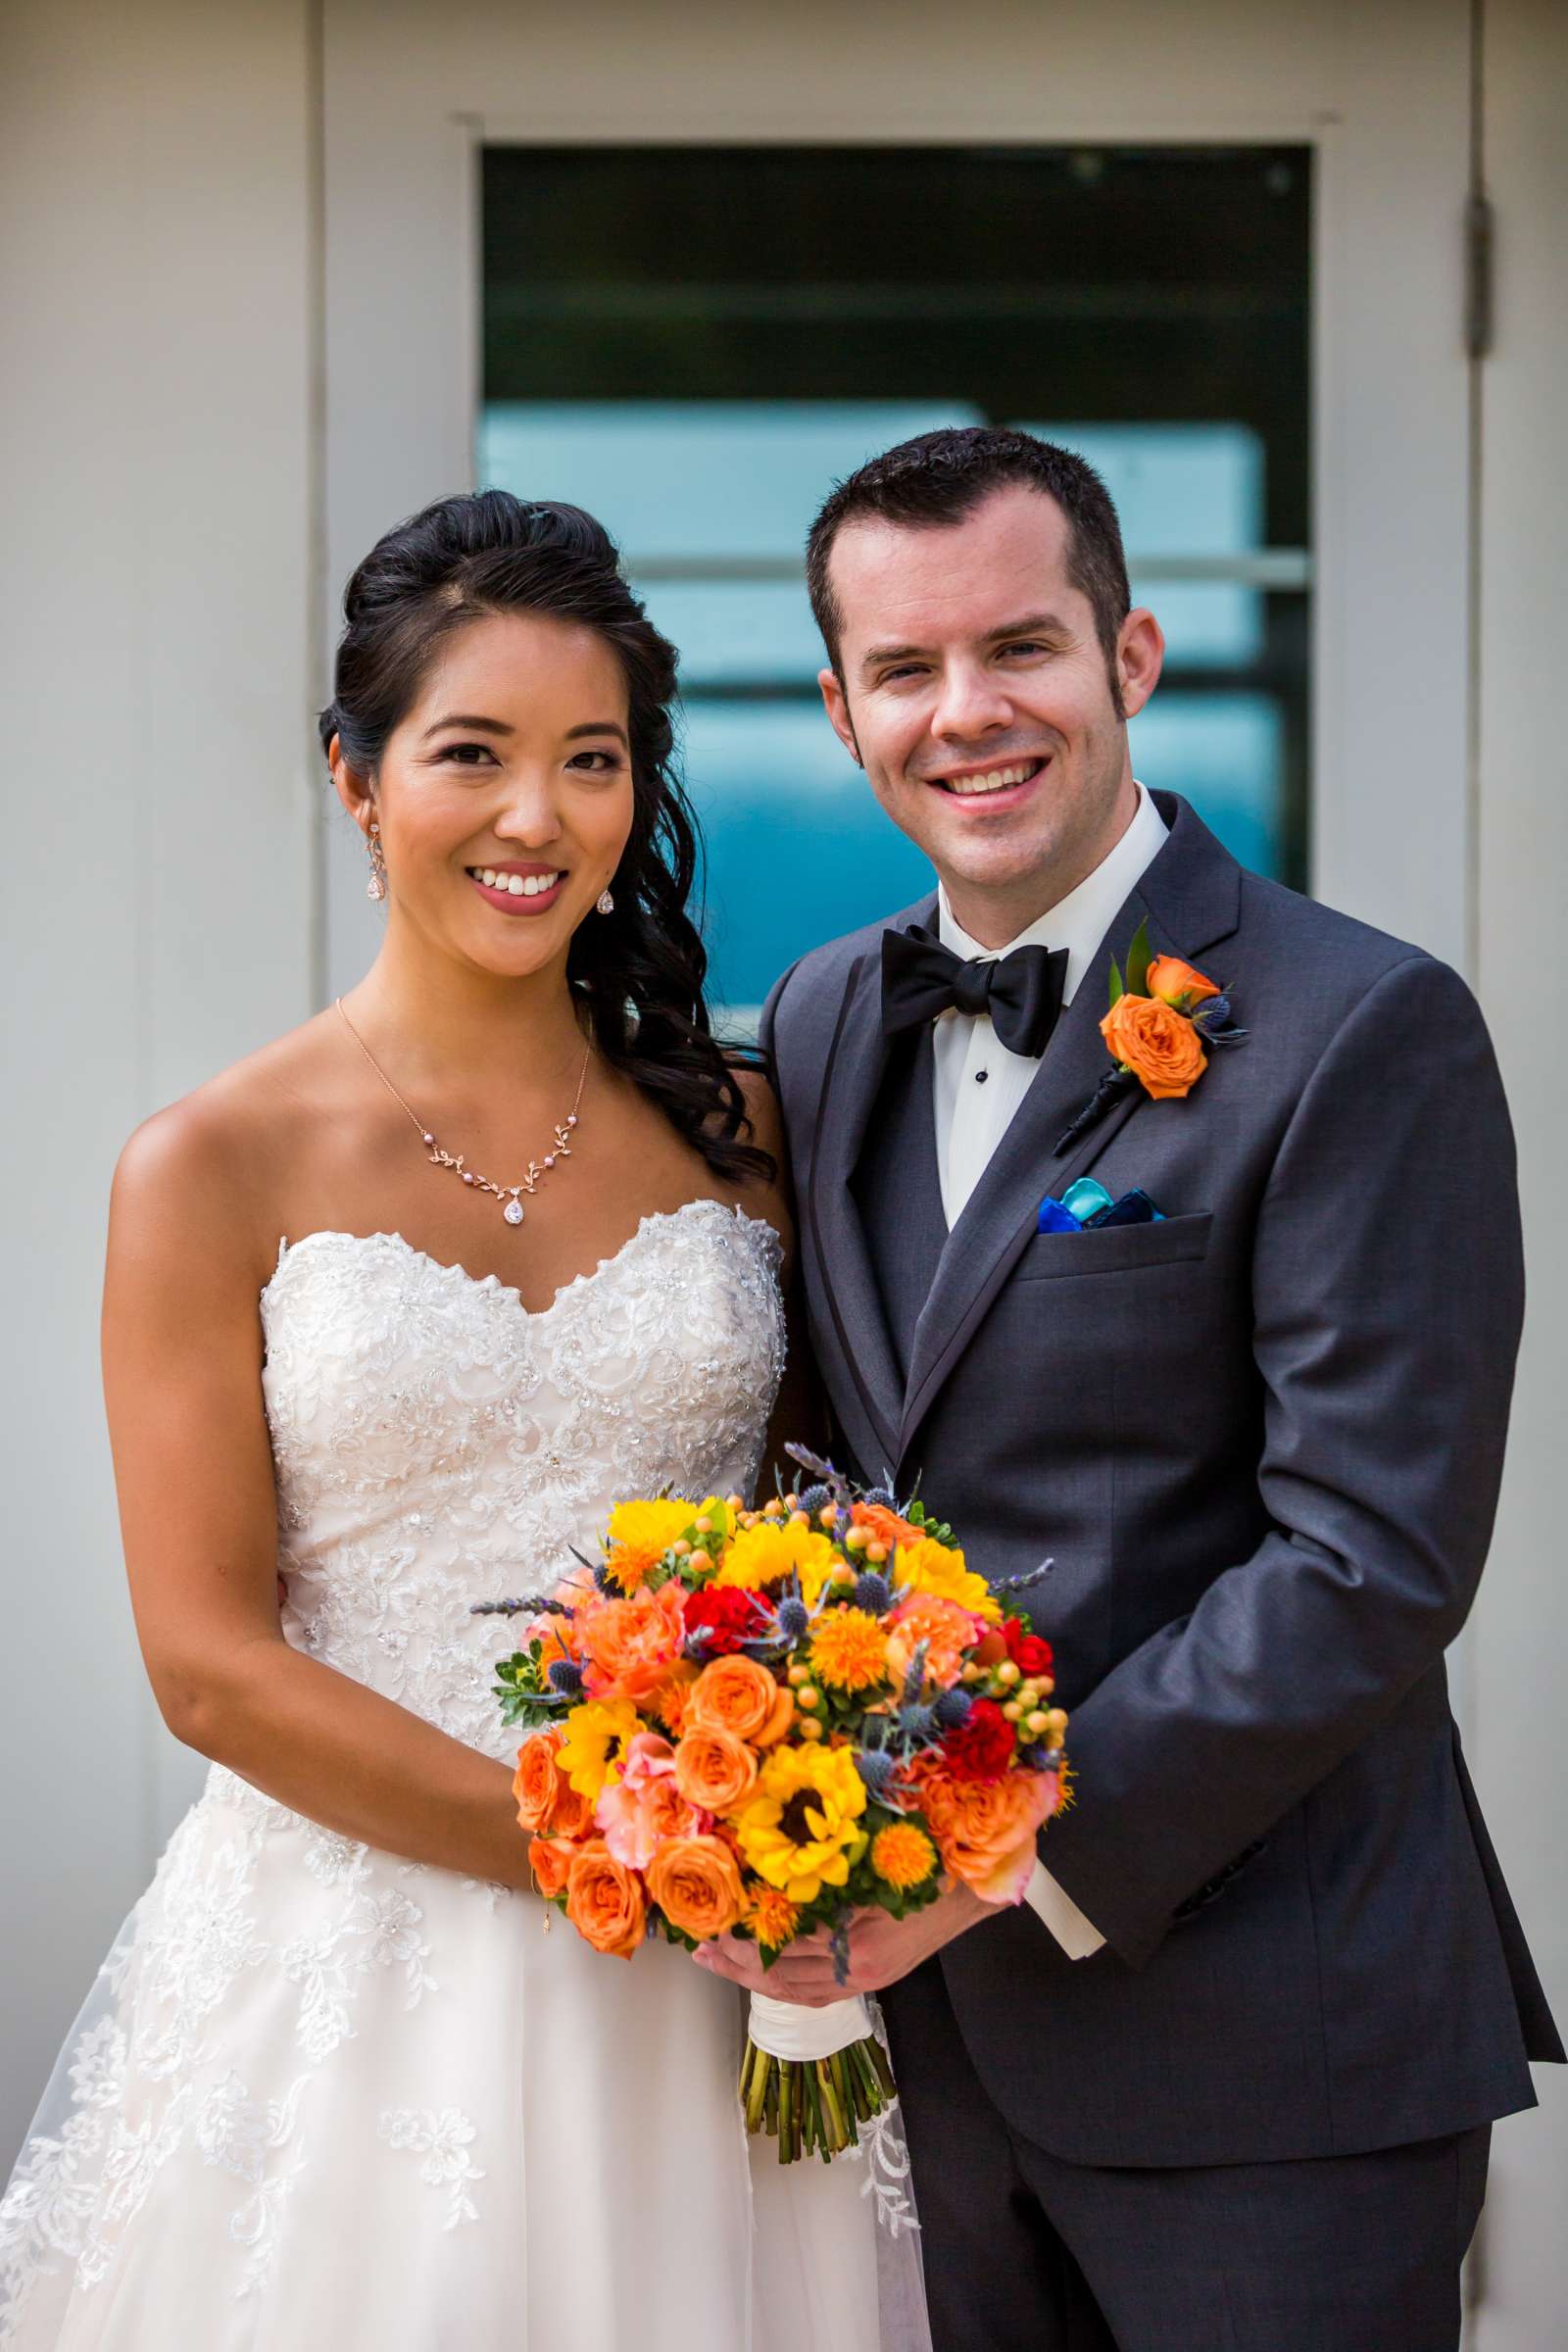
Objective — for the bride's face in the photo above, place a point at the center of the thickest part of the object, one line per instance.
(505, 796)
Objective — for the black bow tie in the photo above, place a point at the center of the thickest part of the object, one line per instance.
(1021, 992)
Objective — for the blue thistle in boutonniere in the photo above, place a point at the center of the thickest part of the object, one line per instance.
(1162, 1017)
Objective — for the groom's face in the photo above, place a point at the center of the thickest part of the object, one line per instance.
(973, 688)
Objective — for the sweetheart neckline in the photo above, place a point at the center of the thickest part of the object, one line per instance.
(288, 1249)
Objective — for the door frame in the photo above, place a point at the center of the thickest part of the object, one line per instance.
(1385, 108)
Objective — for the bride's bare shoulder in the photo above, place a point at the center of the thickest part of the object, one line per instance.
(205, 1168)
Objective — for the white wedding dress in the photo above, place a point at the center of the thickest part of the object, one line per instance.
(321, 2096)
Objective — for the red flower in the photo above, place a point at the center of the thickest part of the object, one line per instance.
(981, 1748)
(724, 1618)
(1030, 1653)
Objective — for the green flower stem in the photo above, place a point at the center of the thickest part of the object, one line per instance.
(815, 2108)
(786, 2113)
(755, 2076)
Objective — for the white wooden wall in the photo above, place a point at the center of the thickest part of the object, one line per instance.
(193, 323)
(156, 485)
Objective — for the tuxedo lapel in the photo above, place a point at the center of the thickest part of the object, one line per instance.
(852, 1304)
(1190, 899)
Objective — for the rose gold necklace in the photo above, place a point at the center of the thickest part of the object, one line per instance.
(507, 1194)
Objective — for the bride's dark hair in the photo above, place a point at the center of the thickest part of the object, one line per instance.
(640, 970)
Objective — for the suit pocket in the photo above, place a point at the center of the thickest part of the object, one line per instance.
(1115, 1248)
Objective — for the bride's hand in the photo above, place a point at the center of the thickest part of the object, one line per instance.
(882, 1949)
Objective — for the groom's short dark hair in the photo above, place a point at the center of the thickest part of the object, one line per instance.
(942, 477)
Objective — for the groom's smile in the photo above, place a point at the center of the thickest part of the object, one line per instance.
(996, 784)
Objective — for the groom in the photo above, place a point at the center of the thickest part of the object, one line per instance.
(1226, 2080)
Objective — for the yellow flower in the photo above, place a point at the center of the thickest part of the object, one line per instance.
(932, 1567)
(802, 1830)
(902, 1855)
(767, 1553)
(772, 1918)
(598, 1735)
(849, 1650)
(641, 1533)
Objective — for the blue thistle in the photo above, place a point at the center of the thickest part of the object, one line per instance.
(814, 1499)
(876, 1769)
(566, 1677)
(882, 1495)
(951, 1709)
(793, 1617)
(872, 1592)
(917, 1724)
(602, 1577)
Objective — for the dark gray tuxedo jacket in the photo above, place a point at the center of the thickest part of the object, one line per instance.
(1261, 1442)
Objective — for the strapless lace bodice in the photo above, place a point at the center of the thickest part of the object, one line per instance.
(437, 1445)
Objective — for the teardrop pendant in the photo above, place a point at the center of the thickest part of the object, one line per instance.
(512, 1213)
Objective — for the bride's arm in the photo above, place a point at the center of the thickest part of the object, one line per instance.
(183, 1364)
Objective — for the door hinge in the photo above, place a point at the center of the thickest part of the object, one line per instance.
(1479, 237)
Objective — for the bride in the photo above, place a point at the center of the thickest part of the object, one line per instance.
(395, 1311)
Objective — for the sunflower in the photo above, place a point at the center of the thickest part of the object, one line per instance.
(598, 1735)
(641, 1533)
(802, 1830)
(902, 1855)
(767, 1553)
(849, 1651)
(938, 1568)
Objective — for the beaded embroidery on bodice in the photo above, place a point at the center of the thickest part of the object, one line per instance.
(437, 1445)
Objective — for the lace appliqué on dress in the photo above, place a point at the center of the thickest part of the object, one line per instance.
(443, 2139)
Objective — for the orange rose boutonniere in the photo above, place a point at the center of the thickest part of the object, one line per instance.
(1161, 1018)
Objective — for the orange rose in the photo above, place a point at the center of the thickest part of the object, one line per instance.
(696, 1884)
(884, 1526)
(1170, 978)
(535, 1780)
(628, 1647)
(573, 1812)
(779, 1721)
(549, 1860)
(546, 1798)
(733, 1694)
(985, 1830)
(948, 1629)
(714, 1770)
(605, 1901)
(1160, 1047)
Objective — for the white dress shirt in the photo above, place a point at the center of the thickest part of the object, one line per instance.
(978, 1085)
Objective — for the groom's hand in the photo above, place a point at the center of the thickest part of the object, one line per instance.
(881, 1951)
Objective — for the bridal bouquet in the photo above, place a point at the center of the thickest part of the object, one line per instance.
(759, 1722)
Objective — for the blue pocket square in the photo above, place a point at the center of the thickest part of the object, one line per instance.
(1053, 1218)
(1087, 1207)
(1133, 1208)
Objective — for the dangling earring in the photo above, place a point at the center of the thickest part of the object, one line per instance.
(375, 888)
(603, 904)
